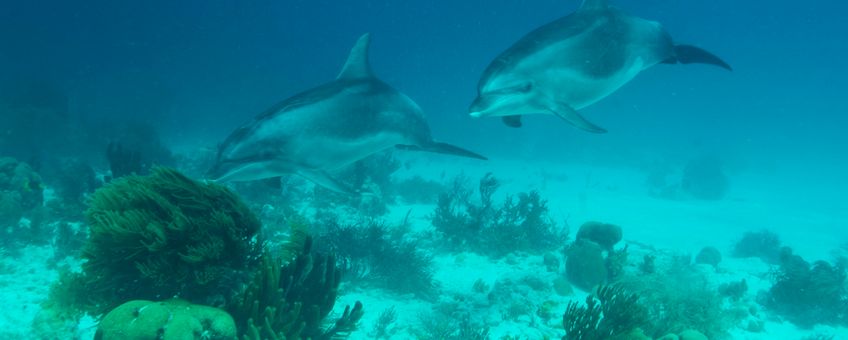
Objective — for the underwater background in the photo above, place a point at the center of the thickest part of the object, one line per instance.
(730, 184)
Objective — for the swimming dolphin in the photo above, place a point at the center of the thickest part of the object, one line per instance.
(326, 128)
(575, 61)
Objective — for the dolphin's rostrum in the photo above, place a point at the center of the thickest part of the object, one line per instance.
(575, 61)
(326, 128)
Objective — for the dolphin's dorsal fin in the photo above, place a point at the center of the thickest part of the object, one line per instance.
(357, 62)
(593, 4)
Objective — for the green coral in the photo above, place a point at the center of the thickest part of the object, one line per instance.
(163, 235)
(612, 313)
(809, 293)
(166, 320)
(290, 300)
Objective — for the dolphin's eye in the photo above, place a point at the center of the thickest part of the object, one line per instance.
(526, 87)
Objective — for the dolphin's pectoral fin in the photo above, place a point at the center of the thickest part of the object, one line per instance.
(444, 148)
(687, 54)
(512, 121)
(572, 116)
(325, 180)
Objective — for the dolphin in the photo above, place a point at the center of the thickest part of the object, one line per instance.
(326, 128)
(576, 61)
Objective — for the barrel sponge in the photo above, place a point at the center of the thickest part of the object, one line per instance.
(604, 234)
(585, 265)
(167, 320)
(708, 255)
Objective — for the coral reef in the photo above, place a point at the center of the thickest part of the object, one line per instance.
(167, 320)
(734, 290)
(679, 298)
(123, 162)
(809, 294)
(521, 223)
(585, 265)
(371, 177)
(708, 255)
(648, 264)
(604, 234)
(763, 244)
(162, 235)
(612, 313)
(21, 196)
(376, 255)
(703, 178)
(136, 148)
(589, 263)
(68, 241)
(383, 328)
(21, 184)
(438, 326)
(417, 190)
(72, 180)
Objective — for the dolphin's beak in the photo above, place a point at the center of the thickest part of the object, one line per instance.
(477, 107)
(214, 173)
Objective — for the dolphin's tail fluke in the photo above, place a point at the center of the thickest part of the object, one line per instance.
(688, 54)
(444, 148)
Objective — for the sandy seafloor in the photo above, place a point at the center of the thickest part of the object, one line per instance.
(777, 200)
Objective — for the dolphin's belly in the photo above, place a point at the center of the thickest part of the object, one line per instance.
(578, 90)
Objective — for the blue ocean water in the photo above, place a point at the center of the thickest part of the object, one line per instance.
(195, 70)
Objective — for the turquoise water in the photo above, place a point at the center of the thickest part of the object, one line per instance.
(170, 81)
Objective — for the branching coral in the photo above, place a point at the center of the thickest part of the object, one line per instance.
(521, 223)
(371, 177)
(763, 244)
(809, 294)
(164, 235)
(613, 313)
(290, 300)
(678, 299)
(376, 255)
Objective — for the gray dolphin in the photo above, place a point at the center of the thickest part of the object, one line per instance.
(575, 61)
(326, 128)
